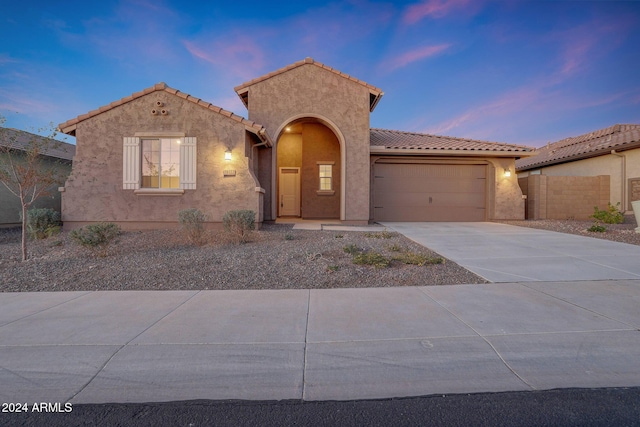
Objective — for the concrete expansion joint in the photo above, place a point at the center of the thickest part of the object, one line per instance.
(46, 309)
(306, 342)
(495, 350)
(581, 307)
(106, 363)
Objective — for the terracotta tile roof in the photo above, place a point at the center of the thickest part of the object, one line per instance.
(69, 126)
(241, 90)
(424, 143)
(597, 143)
(21, 140)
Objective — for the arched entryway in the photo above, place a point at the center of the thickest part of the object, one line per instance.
(309, 170)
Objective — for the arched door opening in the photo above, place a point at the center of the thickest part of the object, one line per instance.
(309, 171)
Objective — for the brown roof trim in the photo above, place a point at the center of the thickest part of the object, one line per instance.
(385, 141)
(243, 89)
(620, 137)
(69, 127)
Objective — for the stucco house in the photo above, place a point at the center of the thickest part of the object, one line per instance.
(569, 177)
(56, 154)
(306, 150)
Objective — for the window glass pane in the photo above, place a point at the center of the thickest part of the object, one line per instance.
(161, 163)
(150, 162)
(326, 177)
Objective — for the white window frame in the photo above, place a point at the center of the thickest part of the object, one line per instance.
(325, 192)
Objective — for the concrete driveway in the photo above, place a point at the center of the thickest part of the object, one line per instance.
(506, 253)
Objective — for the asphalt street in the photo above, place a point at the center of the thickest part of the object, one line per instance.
(566, 407)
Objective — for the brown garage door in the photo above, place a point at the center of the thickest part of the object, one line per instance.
(429, 192)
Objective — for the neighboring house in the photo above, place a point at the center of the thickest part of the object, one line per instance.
(569, 177)
(313, 155)
(58, 154)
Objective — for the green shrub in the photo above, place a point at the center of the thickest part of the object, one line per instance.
(333, 268)
(380, 235)
(611, 215)
(240, 223)
(288, 236)
(417, 259)
(96, 237)
(371, 258)
(352, 249)
(192, 222)
(42, 223)
(595, 228)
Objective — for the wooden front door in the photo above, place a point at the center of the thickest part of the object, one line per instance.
(289, 192)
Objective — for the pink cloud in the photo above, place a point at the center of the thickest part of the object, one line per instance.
(588, 42)
(412, 56)
(241, 57)
(433, 8)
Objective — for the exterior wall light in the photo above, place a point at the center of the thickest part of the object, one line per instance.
(507, 172)
(227, 154)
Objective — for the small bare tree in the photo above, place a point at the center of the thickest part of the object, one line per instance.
(24, 173)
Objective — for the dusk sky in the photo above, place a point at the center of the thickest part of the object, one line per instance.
(523, 72)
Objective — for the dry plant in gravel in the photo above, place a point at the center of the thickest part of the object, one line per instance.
(275, 257)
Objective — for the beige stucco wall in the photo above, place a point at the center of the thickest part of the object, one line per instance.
(507, 201)
(607, 164)
(339, 103)
(93, 191)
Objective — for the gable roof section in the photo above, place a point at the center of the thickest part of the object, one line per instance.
(384, 141)
(243, 90)
(69, 127)
(21, 140)
(593, 144)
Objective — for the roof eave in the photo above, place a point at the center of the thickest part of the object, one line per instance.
(376, 98)
(443, 152)
(582, 156)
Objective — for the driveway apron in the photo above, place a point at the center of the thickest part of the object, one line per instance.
(506, 253)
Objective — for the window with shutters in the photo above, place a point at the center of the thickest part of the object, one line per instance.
(157, 164)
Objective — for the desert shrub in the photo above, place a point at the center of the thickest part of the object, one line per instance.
(371, 258)
(414, 258)
(96, 237)
(595, 228)
(42, 223)
(351, 249)
(395, 248)
(240, 223)
(380, 235)
(192, 222)
(611, 215)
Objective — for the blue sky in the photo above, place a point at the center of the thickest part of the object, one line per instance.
(524, 72)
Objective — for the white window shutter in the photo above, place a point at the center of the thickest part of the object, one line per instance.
(131, 163)
(188, 163)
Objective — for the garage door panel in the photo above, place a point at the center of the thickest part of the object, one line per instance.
(390, 185)
(435, 214)
(429, 192)
(399, 200)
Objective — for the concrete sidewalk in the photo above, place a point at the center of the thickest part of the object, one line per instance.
(506, 253)
(152, 346)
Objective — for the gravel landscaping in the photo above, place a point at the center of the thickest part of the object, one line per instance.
(276, 257)
(623, 233)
